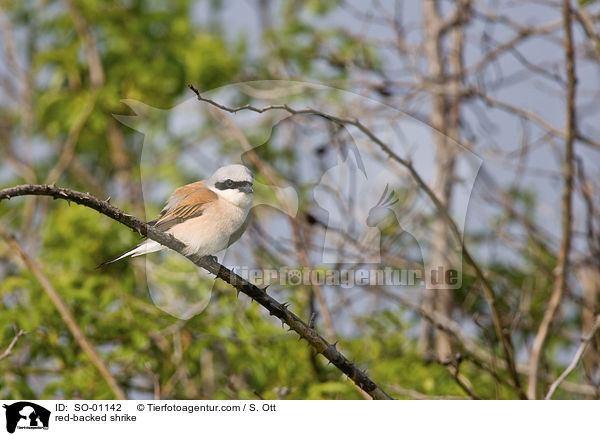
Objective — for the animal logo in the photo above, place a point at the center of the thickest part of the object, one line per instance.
(26, 415)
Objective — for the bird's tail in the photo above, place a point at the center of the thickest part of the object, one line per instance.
(145, 247)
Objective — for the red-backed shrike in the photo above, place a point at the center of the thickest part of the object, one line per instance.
(208, 216)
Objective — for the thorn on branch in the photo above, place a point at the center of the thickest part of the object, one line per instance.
(194, 90)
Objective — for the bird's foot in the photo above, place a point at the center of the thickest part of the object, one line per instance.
(212, 258)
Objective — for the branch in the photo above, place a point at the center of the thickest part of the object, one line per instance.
(459, 16)
(274, 307)
(12, 344)
(560, 283)
(587, 22)
(530, 116)
(453, 366)
(585, 341)
(488, 293)
(90, 47)
(65, 314)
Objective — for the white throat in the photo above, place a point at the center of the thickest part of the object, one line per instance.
(236, 197)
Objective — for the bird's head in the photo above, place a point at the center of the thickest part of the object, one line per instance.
(233, 183)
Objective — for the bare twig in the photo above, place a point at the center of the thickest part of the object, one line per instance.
(65, 314)
(587, 22)
(12, 344)
(90, 48)
(585, 341)
(274, 307)
(155, 380)
(463, 382)
(560, 283)
(453, 366)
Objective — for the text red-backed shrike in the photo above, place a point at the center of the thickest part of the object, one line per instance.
(208, 216)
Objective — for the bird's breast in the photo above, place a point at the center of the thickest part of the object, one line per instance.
(213, 230)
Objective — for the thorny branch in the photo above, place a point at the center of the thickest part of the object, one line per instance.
(274, 307)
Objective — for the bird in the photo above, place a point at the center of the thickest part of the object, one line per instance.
(208, 215)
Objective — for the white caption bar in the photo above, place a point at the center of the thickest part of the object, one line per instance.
(150, 417)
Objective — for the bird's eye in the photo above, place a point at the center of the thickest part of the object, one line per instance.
(229, 183)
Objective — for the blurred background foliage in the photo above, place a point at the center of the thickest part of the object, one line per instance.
(70, 63)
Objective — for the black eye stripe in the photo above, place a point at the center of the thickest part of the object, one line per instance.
(230, 184)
